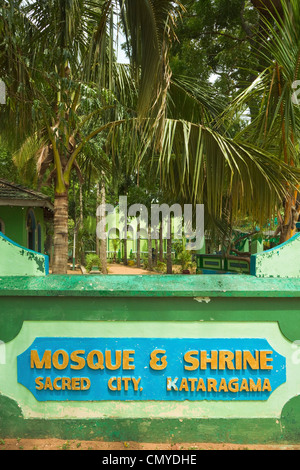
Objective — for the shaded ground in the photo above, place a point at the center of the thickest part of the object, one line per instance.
(126, 270)
(56, 444)
(117, 269)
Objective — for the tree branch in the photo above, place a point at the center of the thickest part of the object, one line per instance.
(218, 33)
(82, 144)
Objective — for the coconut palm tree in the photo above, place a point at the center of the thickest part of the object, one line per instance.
(58, 58)
(277, 123)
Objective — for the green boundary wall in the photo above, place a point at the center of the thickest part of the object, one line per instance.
(155, 306)
(263, 306)
(17, 260)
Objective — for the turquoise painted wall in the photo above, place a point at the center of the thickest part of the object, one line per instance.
(159, 307)
(15, 218)
(131, 311)
(15, 260)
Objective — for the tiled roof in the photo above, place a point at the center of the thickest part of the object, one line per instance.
(15, 192)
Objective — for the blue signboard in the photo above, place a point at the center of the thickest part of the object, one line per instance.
(152, 369)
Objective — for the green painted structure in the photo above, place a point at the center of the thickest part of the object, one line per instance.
(17, 260)
(23, 215)
(281, 261)
(232, 308)
(210, 264)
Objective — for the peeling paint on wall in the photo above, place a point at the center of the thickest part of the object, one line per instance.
(279, 262)
(18, 261)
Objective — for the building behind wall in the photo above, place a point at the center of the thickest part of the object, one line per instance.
(24, 214)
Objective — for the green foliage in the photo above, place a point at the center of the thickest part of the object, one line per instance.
(145, 262)
(185, 259)
(216, 39)
(7, 168)
(92, 260)
(161, 267)
(183, 256)
(84, 116)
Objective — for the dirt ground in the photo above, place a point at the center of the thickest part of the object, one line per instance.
(56, 444)
(129, 270)
(117, 269)
(124, 270)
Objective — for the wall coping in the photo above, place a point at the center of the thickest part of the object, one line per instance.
(167, 286)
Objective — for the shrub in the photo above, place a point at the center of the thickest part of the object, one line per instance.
(92, 260)
(161, 267)
(185, 260)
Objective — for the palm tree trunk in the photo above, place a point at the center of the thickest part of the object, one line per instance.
(98, 221)
(149, 249)
(82, 254)
(103, 243)
(138, 249)
(161, 244)
(125, 259)
(291, 216)
(169, 251)
(60, 258)
(155, 254)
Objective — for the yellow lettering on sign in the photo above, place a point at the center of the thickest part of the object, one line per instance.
(90, 360)
(75, 384)
(255, 387)
(223, 360)
(188, 357)
(201, 386)
(252, 361)
(158, 363)
(223, 386)
(126, 380)
(110, 384)
(63, 383)
(116, 384)
(264, 359)
(136, 383)
(226, 360)
(193, 384)
(39, 383)
(184, 385)
(65, 359)
(77, 359)
(66, 383)
(118, 360)
(48, 384)
(55, 382)
(244, 386)
(213, 360)
(233, 385)
(127, 360)
(35, 361)
(267, 386)
(211, 385)
(238, 360)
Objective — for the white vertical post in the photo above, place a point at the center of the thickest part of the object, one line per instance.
(2, 92)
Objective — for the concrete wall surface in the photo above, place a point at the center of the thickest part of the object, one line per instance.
(150, 358)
